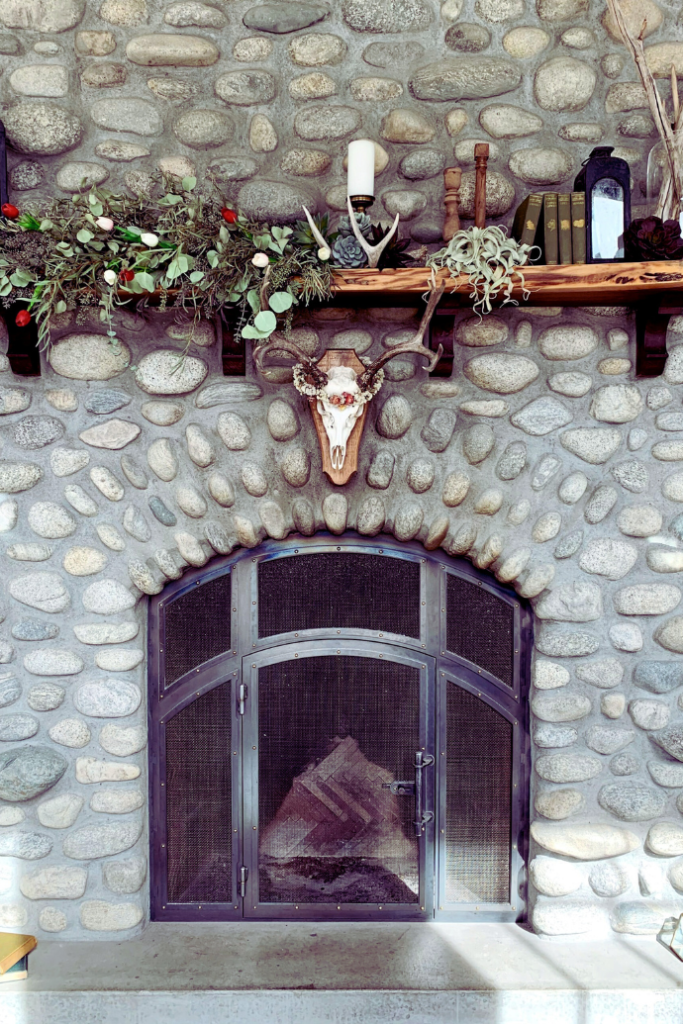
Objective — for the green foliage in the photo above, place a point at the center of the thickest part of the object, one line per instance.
(56, 260)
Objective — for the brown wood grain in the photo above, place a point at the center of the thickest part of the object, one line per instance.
(591, 284)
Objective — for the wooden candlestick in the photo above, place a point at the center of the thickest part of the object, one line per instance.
(451, 178)
(481, 157)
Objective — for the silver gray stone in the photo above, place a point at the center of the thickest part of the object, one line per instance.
(94, 841)
(34, 432)
(571, 602)
(566, 645)
(24, 845)
(604, 739)
(28, 771)
(632, 801)
(395, 417)
(438, 430)
(381, 469)
(512, 461)
(478, 442)
(465, 78)
(569, 544)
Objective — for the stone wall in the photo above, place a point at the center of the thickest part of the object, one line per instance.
(542, 459)
(266, 96)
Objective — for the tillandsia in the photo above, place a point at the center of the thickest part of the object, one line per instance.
(188, 251)
(491, 260)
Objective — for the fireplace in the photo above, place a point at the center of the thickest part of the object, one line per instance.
(338, 731)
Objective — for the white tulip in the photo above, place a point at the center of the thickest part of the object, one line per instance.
(150, 240)
(105, 223)
(324, 253)
(260, 260)
(110, 276)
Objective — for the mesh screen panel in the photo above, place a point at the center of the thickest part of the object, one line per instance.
(199, 800)
(332, 731)
(196, 627)
(339, 591)
(478, 800)
(480, 627)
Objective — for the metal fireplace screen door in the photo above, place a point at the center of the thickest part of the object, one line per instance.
(336, 733)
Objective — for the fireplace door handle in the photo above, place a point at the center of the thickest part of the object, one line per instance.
(422, 817)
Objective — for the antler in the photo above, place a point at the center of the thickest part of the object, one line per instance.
(280, 344)
(314, 231)
(373, 251)
(415, 344)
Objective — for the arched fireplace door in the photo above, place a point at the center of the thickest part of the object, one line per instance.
(338, 731)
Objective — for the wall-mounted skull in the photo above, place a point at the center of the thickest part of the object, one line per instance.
(340, 409)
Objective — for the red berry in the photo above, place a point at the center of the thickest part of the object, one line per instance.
(126, 275)
(228, 215)
(10, 211)
(23, 318)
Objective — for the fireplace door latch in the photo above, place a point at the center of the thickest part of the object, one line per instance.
(242, 694)
(242, 880)
(403, 788)
(400, 788)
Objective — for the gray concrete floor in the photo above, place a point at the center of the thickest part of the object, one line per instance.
(266, 973)
(330, 956)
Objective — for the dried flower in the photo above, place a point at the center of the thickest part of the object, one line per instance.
(109, 276)
(260, 260)
(228, 215)
(23, 318)
(10, 211)
(149, 239)
(105, 223)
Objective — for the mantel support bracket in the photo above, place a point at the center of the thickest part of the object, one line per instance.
(652, 322)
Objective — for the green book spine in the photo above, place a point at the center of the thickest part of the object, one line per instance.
(564, 219)
(578, 208)
(550, 235)
(518, 222)
(533, 215)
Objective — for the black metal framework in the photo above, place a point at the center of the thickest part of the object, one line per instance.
(464, 708)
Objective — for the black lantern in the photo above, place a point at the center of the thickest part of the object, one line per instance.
(606, 180)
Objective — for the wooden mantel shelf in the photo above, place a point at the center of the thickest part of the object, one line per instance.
(585, 284)
(654, 289)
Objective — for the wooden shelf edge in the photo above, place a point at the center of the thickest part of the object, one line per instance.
(585, 284)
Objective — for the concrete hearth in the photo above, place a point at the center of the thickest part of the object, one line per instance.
(332, 973)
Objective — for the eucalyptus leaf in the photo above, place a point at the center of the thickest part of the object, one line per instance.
(145, 281)
(265, 321)
(84, 235)
(196, 276)
(252, 332)
(189, 182)
(254, 300)
(280, 302)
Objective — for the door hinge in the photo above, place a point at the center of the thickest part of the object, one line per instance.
(242, 880)
(242, 695)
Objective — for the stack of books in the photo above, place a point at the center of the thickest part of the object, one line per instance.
(556, 223)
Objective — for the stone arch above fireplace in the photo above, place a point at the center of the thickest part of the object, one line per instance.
(290, 688)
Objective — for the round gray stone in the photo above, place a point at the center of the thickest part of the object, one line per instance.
(438, 430)
(42, 129)
(111, 698)
(560, 707)
(567, 645)
(467, 37)
(632, 801)
(478, 442)
(658, 676)
(568, 767)
(564, 84)
(204, 129)
(46, 697)
(28, 771)
(95, 841)
(34, 432)
(24, 845)
(385, 16)
(394, 418)
(280, 18)
(464, 78)
(168, 372)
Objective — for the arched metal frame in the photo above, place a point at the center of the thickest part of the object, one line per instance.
(249, 652)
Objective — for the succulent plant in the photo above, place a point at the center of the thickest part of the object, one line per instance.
(395, 254)
(649, 238)
(362, 220)
(346, 252)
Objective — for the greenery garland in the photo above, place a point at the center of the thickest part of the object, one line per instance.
(100, 249)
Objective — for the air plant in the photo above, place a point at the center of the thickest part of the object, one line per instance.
(490, 259)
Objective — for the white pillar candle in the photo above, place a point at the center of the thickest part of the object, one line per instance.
(361, 178)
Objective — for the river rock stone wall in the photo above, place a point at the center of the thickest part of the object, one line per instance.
(542, 459)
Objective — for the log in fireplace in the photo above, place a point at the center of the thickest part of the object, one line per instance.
(338, 731)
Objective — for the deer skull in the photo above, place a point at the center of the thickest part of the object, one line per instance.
(340, 408)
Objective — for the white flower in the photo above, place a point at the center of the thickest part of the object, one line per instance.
(324, 253)
(110, 276)
(149, 239)
(105, 223)
(260, 260)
